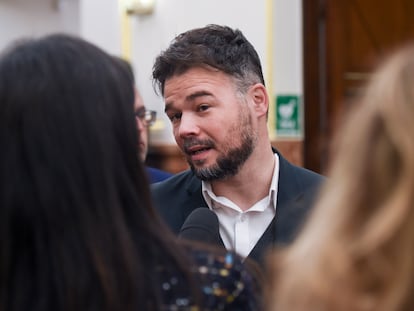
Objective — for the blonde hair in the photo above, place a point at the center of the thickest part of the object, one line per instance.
(357, 250)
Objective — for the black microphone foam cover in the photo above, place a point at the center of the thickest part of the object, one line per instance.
(201, 225)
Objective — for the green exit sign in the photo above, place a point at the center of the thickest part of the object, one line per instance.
(288, 116)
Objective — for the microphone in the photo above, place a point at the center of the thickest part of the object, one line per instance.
(201, 225)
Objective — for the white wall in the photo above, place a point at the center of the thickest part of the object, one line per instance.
(100, 22)
(287, 56)
(24, 18)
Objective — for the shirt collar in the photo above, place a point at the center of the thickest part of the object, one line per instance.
(209, 195)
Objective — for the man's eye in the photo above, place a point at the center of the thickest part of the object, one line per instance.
(203, 107)
(175, 117)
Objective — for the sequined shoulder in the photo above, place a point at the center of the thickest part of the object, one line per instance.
(223, 280)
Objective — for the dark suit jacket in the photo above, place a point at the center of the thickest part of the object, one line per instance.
(156, 175)
(178, 196)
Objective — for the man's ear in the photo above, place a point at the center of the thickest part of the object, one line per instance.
(258, 94)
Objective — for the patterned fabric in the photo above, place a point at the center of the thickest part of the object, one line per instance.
(223, 280)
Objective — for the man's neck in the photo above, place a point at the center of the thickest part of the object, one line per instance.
(251, 183)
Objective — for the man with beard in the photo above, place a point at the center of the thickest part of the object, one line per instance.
(213, 87)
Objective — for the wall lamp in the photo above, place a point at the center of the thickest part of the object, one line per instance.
(140, 7)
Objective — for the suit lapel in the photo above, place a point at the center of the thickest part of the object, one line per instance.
(194, 198)
(288, 213)
(266, 240)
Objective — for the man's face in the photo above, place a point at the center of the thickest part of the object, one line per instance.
(141, 128)
(212, 123)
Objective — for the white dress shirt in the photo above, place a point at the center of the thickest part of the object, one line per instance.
(241, 230)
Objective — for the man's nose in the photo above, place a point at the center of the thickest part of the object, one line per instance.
(188, 126)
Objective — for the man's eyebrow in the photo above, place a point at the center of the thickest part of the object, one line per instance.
(190, 97)
(197, 94)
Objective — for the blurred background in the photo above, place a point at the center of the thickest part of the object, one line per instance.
(316, 54)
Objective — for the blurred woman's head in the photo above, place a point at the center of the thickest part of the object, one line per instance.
(356, 253)
(74, 198)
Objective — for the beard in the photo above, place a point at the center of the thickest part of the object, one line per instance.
(230, 161)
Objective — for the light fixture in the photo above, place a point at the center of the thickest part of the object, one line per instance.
(140, 7)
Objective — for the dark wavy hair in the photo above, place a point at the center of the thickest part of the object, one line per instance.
(216, 46)
(77, 227)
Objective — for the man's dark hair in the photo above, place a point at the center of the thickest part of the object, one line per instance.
(220, 47)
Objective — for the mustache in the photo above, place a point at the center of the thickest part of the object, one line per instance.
(191, 142)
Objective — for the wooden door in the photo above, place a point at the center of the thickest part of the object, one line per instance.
(344, 40)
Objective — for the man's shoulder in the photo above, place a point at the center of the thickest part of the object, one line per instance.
(301, 174)
(176, 197)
